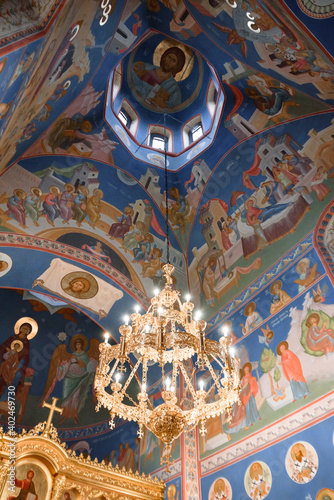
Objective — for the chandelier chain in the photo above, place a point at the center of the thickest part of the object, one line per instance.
(166, 190)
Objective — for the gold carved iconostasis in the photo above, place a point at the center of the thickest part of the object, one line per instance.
(45, 469)
(83, 202)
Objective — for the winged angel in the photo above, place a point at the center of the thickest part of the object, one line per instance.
(76, 370)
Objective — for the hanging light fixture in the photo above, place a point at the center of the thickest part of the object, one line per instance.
(168, 336)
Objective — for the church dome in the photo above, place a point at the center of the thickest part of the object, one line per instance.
(164, 88)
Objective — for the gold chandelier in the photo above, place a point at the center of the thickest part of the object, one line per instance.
(168, 335)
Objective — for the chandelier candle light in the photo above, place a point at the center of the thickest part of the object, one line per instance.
(168, 336)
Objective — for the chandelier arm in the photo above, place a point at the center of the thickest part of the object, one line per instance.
(211, 370)
(134, 369)
(113, 369)
(210, 389)
(213, 348)
(150, 404)
(188, 382)
(219, 362)
(132, 401)
(192, 373)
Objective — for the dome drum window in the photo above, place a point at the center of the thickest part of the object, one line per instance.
(124, 118)
(158, 136)
(192, 131)
(196, 132)
(128, 117)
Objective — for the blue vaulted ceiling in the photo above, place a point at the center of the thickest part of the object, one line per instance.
(247, 195)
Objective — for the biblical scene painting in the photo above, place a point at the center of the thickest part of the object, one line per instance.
(41, 364)
(285, 344)
(284, 185)
(120, 231)
(121, 448)
(259, 36)
(62, 66)
(265, 101)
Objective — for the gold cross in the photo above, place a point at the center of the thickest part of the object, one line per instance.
(53, 408)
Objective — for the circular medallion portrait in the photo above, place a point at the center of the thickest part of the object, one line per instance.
(5, 264)
(80, 285)
(258, 480)
(220, 490)
(301, 462)
(164, 74)
(157, 159)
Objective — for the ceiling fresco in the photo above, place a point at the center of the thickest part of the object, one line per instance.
(83, 202)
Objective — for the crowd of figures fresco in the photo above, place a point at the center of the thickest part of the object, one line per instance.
(83, 202)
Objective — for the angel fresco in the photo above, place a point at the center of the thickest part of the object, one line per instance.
(76, 371)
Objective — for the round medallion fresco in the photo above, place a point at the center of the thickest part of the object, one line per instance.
(220, 490)
(301, 462)
(5, 264)
(258, 480)
(167, 75)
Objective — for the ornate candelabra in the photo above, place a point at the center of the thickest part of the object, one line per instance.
(168, 336)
